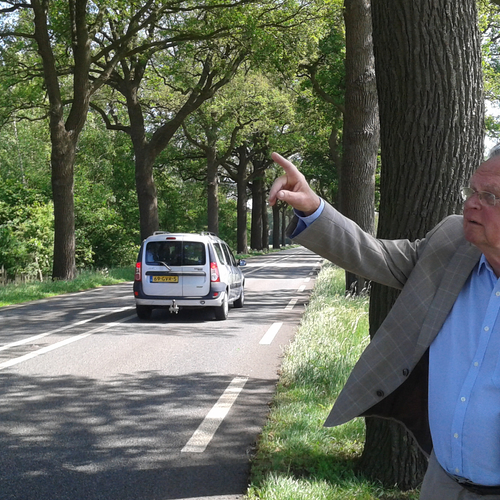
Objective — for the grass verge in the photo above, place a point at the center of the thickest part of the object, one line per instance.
(18, 293)
(296, 457)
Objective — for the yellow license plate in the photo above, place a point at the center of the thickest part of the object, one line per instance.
(165, 279)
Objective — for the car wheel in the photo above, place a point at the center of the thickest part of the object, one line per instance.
(143, 312)
(241, 299)
(222, 311)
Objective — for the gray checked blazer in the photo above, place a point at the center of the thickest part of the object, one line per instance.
(390, 378)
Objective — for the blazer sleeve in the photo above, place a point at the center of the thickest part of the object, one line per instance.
(344, 243)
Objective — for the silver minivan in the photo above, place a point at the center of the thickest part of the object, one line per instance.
(176, 270)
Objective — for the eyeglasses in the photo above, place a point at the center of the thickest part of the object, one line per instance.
(484, 197)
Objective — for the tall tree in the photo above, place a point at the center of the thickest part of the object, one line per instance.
(347, 86)
(361, 125)
(59, 44)
(428, 66)
(217, 134)
(206, 45)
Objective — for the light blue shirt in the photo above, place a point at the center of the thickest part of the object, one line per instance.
(464, 382)
(306, 221)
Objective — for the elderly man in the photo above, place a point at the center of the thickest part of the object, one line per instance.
(434, 364)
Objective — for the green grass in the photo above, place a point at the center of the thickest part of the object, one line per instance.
(296, 457)
(35, 290)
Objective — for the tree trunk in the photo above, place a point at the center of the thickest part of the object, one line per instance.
(64, 134)
(276, 226)
(241, 179)
(62, 161)
(212, 192)
(146, 192)
(361, 125)
(241, 217)
(284, 224)
(265, 219)
(387, 469)
(428, 65)
(256, 229)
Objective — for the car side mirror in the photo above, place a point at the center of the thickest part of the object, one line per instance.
(242, 262)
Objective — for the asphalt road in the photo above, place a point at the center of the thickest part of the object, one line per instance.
(96, 404)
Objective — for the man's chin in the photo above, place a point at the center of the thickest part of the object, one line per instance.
(471, 234)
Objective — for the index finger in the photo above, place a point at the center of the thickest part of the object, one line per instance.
(288, 166)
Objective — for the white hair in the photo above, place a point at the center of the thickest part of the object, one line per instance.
(494, 151)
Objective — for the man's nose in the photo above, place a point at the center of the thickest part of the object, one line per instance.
(474, 201)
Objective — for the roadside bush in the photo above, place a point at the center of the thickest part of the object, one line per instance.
(26, 231)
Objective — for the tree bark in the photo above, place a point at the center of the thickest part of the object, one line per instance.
(361, 134)
(212, 192)
(241, 204)
(146, 192)
(265, 219)
(256, 228)
(284, 211)
(276, 226)
(62, 161)
(428, 66)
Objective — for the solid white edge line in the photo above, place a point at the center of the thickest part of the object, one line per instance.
(62, 343)
(207, 429)
(271, 333)
(62, 329)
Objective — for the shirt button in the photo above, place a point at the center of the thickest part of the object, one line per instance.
(486, 328)
(455, 435)
(462, 399)
(457, 471)
(476, 364)
(497, 294)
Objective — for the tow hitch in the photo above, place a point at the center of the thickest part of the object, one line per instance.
(174, 308)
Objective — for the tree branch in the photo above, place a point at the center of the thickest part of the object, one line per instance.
(109, 124)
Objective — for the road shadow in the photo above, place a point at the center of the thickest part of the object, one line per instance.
(81, 439)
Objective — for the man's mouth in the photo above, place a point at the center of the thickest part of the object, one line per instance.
(471, 221)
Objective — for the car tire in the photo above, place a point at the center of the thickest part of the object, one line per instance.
(240, 300)
(143, 312)
(222, 311)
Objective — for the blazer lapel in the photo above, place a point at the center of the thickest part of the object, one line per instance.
(457, 272)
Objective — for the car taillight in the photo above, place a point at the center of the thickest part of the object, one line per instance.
(138, 274)
(214, 272)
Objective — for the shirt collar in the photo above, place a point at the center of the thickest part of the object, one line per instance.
(484, 265)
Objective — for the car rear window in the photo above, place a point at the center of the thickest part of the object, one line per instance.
(176, 253)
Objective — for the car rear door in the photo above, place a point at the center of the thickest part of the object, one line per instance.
(195, 269)
(162, 268)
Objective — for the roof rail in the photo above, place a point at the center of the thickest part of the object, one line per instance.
(161, 232)
(209, 233)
